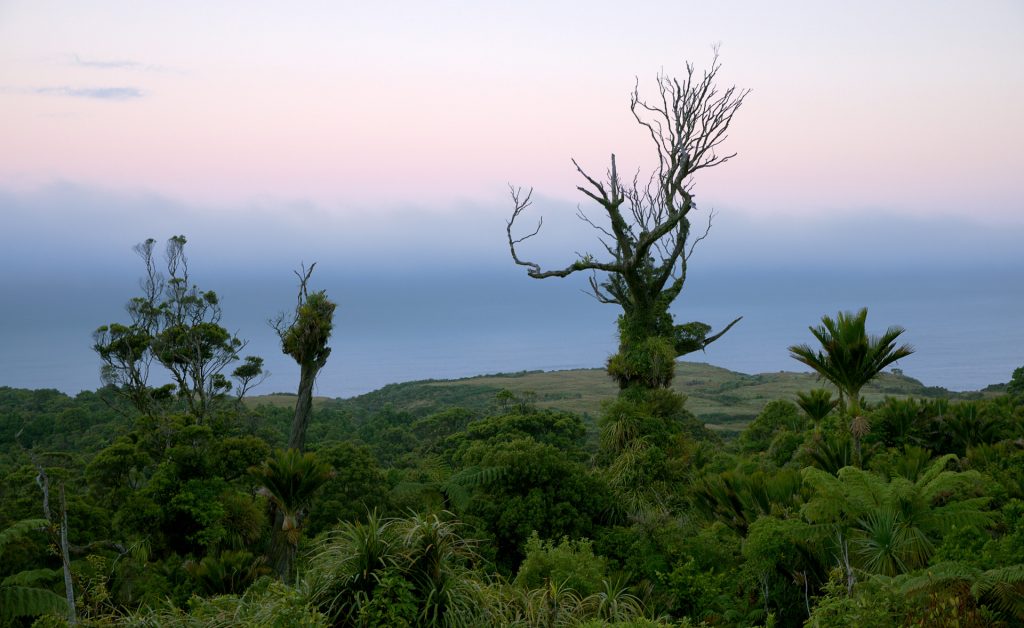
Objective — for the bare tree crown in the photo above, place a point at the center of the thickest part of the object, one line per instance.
(648, 228)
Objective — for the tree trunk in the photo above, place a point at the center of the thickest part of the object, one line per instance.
(69, 587)
(303, 407)
(282, 551)
(646, 356)
(43, 480)
(857, 427)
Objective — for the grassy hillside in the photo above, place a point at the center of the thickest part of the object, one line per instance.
(720, 397)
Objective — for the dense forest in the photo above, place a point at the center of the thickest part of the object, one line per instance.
(512, 514)
(480, 502)
(853, 497)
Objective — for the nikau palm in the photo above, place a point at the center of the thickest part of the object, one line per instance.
(289, 479)
(850, 358)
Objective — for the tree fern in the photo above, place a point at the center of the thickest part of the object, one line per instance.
(17, 531)
(894, 525)
(22, 601)
(18, 595)
(1003, 588)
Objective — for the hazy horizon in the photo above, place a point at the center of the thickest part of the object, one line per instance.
(393, 327)
(881, 144)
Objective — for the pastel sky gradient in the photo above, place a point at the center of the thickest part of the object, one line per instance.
(881, 147)
(361, 109)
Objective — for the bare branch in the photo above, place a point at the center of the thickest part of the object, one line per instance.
(648, 242)
(585, 261)
(711, 339)
(698, 240)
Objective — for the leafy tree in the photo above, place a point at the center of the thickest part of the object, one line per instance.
(647, 237)
(304, 337)
(850, 358)
(562, 430)
(356, 487)
(539, 489)
(783, 566)
(569, 562)
(176, 325)
(778, 415)
(1015, 388)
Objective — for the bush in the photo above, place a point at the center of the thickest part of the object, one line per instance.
(570, 563)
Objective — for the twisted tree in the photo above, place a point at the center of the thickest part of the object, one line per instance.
(647, 239)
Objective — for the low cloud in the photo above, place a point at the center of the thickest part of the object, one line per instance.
(96, 93)
(47, 226)
(115, 64)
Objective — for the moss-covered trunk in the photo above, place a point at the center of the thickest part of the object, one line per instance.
(646, 356)
(303, 407)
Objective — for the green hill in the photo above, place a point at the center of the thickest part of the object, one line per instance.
(723, 399)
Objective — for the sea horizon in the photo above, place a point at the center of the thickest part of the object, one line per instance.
(397, 328)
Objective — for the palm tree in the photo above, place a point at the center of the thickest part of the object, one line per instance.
(816, 404)
(231, 572)
(290, 479)
(850, 358)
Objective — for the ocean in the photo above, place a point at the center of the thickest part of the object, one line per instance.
(436, 324)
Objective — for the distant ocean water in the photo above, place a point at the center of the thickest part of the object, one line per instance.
(965, 326)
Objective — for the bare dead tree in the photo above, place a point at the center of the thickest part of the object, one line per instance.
(58, 531)
(647, 238)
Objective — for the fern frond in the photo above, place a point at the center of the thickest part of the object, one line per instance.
(17, 530)
(30, 578)
(19, 601)
(1005, 586)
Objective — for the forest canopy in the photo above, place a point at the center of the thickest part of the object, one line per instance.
(844, 501)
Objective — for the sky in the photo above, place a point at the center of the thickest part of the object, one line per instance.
(381, 138)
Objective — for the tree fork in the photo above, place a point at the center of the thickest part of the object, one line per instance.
(647, 234)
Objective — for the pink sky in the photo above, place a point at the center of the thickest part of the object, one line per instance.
(913, 108)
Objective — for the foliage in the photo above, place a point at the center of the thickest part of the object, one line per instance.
(379, 569)
(20, 595)
(892, 526)
(268, 603)
(816, 404)
(737, 499)
(290, 479)
(176, 325)
(540, 489)
(357, 486)
(849, 358)
(229, 573)
(304, 336)
(167, 526)
(777, 416)
(569, 563)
